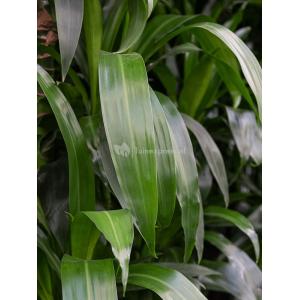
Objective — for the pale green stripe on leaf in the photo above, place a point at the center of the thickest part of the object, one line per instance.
(128, 122)
(88, 279)
(117, 227)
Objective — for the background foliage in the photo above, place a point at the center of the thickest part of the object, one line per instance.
(96, 210)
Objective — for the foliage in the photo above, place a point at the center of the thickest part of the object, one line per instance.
(149, 150)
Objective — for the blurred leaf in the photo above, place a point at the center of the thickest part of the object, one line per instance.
(167, 79)
(53, 194)
(161, 29)
(195, 86)
(113, 22)
(188, 193)
(238, 220)
(80, 58)
(44, 244)
(117, 227)
(44, 285)
(69, 16)
(92, 24)
(88, 279)
(180, 49)
(81, 177)
(225, 62)
(191, 270)
(138, 12)
(246, 133)
(166, 180)
(41, 216)
(151, 5)
(212, 154)
(128, 122)
(167, 283)
(247, 60)
(73, 75)
(90, 126)
(241, 276)
(205, 181)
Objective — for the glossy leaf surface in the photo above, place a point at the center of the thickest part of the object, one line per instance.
(88, 279)
(247, 60)
(238, 220)
(117, 227)
(128, 122)
(166, 178)
(167, 283)
(188, 193)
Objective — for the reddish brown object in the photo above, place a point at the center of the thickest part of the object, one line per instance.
(44, 20)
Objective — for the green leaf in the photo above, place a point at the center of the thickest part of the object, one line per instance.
(92, 24)
(188, 193)
(235, 84)
(112, 23)
(238, 220)
(88, 279)
(166, 178)
(167, 79)
(81, 176)
(138, 13)
(128, 122)
(117, 227)
(73, 75)
(190, 270)
(161, 29)
(196, 85)
(84, 237)
(167, 283)
(69, 16)
(226, 64)
(180, 49)
(246, 133)
(90, 126)
(212, 154)
(247, 60)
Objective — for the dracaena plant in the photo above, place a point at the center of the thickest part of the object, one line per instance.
(149, 150)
